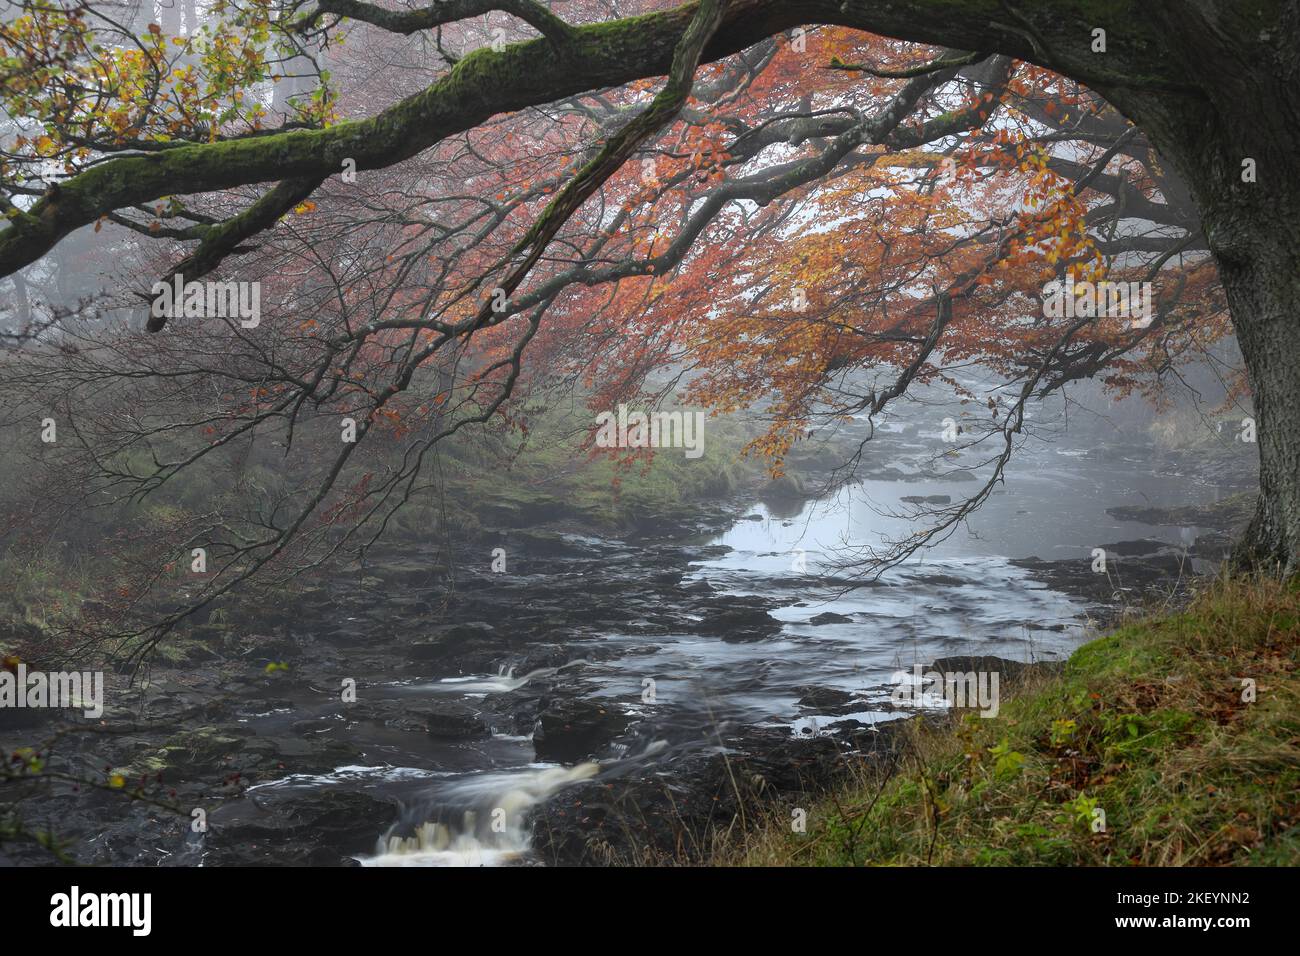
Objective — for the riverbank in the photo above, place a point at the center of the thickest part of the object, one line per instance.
(1174, 741)
(630, 670)
(486, 486)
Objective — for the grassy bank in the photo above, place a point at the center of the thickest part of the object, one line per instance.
(1152, 725)
(550, 475)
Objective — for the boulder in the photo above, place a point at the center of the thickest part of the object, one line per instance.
(830, 617)
(453, 720)
(571, 730)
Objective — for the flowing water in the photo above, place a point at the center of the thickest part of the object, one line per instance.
(467, 803)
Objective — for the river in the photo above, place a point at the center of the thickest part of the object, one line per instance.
(670, 679)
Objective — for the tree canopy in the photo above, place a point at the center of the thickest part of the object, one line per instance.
(452, 209)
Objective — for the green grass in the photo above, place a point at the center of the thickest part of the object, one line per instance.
(42, 589)
(1148, 725)
(488, 479)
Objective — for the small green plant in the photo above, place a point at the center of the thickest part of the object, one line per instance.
(1063, 729)
(1006, 762)
(1079, 812)
(968, 729)
(1123, 726)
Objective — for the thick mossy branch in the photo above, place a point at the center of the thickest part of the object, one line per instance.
(489, 82)
(616, 151)
(218, 241)
(906, 73)
(665, 106)
(448, 11)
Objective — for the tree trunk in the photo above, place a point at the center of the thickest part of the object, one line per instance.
(1239, 149)
(1263, 290)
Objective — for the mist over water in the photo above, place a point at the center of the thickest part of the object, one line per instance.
(963, 596)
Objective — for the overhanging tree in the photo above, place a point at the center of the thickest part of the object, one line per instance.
(141, 121)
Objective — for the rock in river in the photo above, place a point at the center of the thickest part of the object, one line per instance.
(569, 730)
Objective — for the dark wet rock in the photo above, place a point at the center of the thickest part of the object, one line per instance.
(314, 725)
(888, 473)
(654, 624)
(201, 751)
(171, 703)
(500, 511)
(939, 580)
(275, 649)
(547, 544)
(661, 525)
(706, 552)
(616, 614)
(413, 572)
(738, 619)
(927, 499)
(669, 811)
(1139, 547)
(326, 827)
(453, 720)
(449, 638)
(824, 699)
(570, 730)
(501, 514)
(262, 705)
(830, 617)
(347, 634)
(217, 639)
(1127, 581)
(851, 725)
(1230, 514)
(753, 517)
(25, 718)
(697, 587)
(209, 754)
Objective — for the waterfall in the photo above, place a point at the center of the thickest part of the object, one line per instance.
(482, 821)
